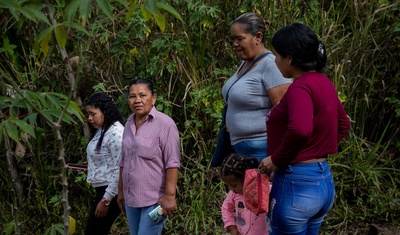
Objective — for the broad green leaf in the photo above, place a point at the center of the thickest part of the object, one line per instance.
(56, 94)
(8, 4)
(33, 14)
(106, 8)
(31, 118)
(145, 13)
(45, 33)
(77, 27)
(169, 9)
(150, 5)
(68, 119)
(11, 130)
(160, 20)
(43, 40)
(57, 114)
(74, 109)
(25, 127)
(48, 117)
(71, 9)
(84, 10)
(54, 102)
(61, 35)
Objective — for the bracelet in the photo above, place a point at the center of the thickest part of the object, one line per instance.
(105, 201)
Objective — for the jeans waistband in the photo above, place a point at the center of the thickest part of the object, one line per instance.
(314, 168)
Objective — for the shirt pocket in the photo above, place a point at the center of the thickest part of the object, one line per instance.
(148, 149)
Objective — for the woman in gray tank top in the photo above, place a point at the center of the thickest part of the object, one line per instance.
(253, 89)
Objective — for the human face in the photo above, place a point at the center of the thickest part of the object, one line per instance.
(141, 100)
(235, 184)
(95, 116)
(283, 64)
(245, 44)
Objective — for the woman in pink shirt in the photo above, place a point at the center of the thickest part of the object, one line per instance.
(303, 129)
(238, 220)
(150, 159)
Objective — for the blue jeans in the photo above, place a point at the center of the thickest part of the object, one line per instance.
(301, 196)
(252, 148)
(139, 221)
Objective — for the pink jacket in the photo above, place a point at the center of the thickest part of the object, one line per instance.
(234, 213)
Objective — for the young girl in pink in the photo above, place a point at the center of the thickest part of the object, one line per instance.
(238, 220)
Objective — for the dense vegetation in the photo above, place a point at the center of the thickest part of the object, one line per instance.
(54, 54)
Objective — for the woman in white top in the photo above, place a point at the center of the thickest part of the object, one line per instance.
(103, 156)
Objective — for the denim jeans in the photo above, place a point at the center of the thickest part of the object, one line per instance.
(252, 148)
(301, 196)
(139, 221)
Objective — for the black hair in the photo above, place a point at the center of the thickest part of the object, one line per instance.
(302, 44)
(109, 109)
(253, 23)
(142, 81)
(237, 164)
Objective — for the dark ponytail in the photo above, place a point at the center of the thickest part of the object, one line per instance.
(302, 44)
(237, 164)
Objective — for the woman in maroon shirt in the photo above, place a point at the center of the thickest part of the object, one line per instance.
(302, 129)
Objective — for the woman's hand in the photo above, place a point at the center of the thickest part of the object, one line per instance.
(121, 202)
(233, 230)
(101, 210)
(267, 166)
(168, 204)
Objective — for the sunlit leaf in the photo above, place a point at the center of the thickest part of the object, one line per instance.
(61, 35)
(160, 20)
(43, 40)
(105, 6)
(145, 13)
(72, 225)
(169, 9)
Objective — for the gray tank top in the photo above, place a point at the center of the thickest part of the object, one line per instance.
(249, 103)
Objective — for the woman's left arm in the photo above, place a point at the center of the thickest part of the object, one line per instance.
(114, 145)
(168, 201)
(275, 93)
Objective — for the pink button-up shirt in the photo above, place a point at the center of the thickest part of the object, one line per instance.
(146, 154)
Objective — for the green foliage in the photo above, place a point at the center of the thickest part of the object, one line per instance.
(188, 54)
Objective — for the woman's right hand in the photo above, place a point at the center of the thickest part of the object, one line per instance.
(233, 230)
(121, 202)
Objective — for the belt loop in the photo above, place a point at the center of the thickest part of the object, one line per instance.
(289, 168)
(321, 166)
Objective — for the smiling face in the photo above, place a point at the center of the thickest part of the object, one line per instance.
(245, 44)
(141, 100)
(235, 184)
(95, 116)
